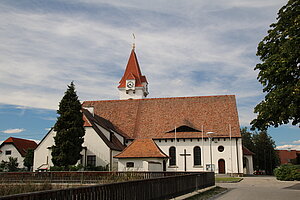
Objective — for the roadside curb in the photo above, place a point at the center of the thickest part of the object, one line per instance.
(220, 194)
(230, 181)
(193, 193)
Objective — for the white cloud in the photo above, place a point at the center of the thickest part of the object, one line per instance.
(289, 146)
(296, 142)
(15, 130)
(187, 48)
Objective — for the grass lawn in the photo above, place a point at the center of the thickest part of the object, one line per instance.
(208, 194)
(228, 179)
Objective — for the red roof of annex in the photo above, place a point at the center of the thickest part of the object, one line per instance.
(142, 148)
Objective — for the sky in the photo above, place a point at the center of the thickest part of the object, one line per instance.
(185, 48)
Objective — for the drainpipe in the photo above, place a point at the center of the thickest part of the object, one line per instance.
(237, 156)
(111, 160)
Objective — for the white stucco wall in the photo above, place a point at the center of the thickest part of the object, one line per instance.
(139, 93)
(96, 146)
(42, 154)
(231, 163)
(248, 169)
(141, 164)
(14, 153)
(92, 141)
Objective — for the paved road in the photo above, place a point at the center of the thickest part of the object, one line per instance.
(256, 188)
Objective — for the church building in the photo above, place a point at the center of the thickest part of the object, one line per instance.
(135, 133)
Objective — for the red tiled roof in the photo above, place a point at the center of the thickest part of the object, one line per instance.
(286, 155)
(111, 142)
(153, 118)
(247, 151)
(142, 148)
(87, 123)
(21, 145)
(132, 71)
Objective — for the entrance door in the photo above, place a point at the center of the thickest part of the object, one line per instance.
(221, 165)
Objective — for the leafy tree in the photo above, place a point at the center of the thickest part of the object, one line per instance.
(279, 71)
(263, 147)
(11, 165)
(69, 130)
(28, 160)
(247, 139)
(265, 157)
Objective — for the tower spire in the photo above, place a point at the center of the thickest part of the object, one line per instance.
(133, 84)
(133, 43)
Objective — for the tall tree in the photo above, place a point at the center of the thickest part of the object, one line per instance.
(265, 157)
(28, 160)
(279, 71)
(69, 130)
(247, 139)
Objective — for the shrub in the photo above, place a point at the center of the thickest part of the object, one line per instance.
(288, 172)
(96, 168)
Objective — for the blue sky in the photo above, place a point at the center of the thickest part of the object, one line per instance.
(185, 48)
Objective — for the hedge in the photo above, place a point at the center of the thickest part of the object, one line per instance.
(288, 172)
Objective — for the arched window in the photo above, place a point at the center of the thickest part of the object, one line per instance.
(172, 154)
(197, 155)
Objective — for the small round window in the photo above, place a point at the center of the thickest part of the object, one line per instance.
(220, 148)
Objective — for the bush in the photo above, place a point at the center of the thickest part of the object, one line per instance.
(288, 172)
(96, 168)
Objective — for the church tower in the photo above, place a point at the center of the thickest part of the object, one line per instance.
(133, 84)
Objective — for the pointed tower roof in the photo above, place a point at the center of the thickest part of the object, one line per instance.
(132, 72)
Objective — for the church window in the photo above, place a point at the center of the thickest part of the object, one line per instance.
(171, 140)
(197, 155)
(8, 152)
(183, 140)
(91, 160)
(159, 140)
(220, 148)
(130, 164)
(172, 154)
(191, 140)
(224, 139)
(166, 140)
(177, 140)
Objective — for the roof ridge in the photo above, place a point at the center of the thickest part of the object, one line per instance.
(157, 98)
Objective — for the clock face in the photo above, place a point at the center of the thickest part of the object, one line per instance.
(130, 84)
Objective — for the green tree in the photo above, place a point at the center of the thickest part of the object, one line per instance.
(12, 164)
(28, 160)
(69, 130)
(279, 71)
(265, 157)
(247, 139)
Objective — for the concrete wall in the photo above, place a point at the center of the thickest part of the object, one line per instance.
(14, 153)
